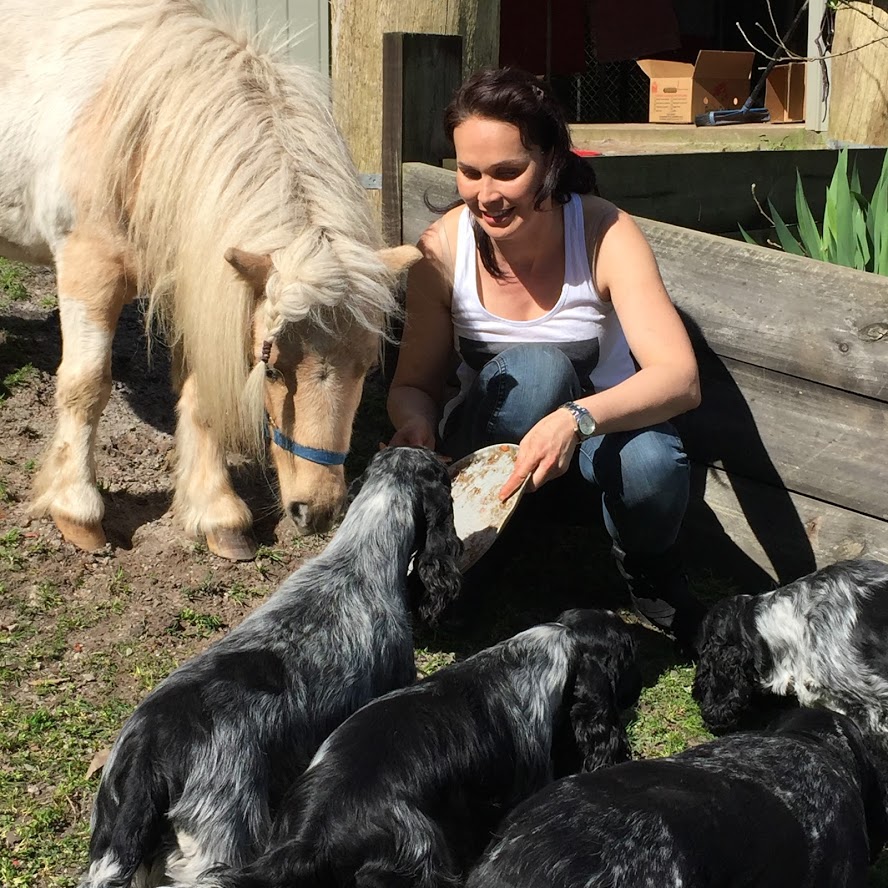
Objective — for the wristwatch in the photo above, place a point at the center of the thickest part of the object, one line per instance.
(586, 424)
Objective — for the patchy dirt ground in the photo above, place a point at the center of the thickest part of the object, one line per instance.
(84, 636)
(147, 555)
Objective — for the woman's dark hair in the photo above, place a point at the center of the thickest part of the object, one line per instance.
(518, 97)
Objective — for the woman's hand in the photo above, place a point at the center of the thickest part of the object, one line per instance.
(544, 453)
(416, 432)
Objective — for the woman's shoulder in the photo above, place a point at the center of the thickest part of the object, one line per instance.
(438, 241)
(596, 209)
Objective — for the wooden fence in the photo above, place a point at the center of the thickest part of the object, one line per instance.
(790, 444)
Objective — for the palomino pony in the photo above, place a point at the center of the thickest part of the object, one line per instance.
(150, 148)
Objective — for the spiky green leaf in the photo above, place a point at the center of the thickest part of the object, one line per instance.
(839, 214)
(787, 241)
(808, 232)
(748, 237)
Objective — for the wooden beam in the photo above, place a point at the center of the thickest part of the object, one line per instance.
(420, 73)
(788, 432)
(794, 315)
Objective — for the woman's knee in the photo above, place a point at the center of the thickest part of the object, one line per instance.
(645, 481)
(543, 369)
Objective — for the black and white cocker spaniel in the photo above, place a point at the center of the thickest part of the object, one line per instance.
(796, 806)
(195, 776)
(823, 638)
(408, 790)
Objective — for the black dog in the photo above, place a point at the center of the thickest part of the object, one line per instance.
(799, 806)
(199, 768)
(409, 789)
(823, 638)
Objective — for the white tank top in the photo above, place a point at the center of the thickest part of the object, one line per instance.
(581, 324)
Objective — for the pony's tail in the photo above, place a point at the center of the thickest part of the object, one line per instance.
(125, 833)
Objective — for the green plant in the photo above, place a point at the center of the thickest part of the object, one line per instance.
(12, 286)
(20, 376)
(854, 231)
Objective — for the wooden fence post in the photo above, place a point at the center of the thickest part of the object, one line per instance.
(419, 74)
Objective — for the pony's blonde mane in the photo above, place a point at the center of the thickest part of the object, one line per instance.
(207, 141)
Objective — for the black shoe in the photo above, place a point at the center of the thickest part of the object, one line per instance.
(658, 589)
(681, 623)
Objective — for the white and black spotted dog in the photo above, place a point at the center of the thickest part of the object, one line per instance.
(823, 638)
(196, 774)
(408, 790)
(797, 806)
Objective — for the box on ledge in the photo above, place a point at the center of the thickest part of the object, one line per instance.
(679, 91)
(785, 93)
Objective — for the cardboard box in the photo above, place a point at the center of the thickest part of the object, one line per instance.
(680, 91)
(785, 93)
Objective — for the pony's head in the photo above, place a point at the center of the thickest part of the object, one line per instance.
(321, 307)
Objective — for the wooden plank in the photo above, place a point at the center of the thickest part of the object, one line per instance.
(417, 181)
(788, 432)
(859, 72)
(789, 314)
(798, 316)
(392, 135)
(755, 536)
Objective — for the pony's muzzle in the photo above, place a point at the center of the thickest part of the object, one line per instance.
(310, 518)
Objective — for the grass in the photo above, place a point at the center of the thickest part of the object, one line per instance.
(12, 282)
(44, 792)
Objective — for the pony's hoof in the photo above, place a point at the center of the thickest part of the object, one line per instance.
(235, 545)
(89, 537)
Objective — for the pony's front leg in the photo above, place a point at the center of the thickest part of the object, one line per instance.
(92, 290)
(205, 501)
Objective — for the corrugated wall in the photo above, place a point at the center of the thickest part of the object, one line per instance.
(305, 22)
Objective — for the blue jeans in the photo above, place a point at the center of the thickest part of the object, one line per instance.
(641, 478)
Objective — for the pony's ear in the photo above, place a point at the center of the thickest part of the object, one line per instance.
(436, 562)
(254, 268)
(398, 259)
(595, 718)
(723, 683)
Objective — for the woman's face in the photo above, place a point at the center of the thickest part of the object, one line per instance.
(497, 176)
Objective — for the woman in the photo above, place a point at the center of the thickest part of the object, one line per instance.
(567, 341)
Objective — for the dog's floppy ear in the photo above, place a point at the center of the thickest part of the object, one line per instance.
(353, 490)
(436, 562)
(595, 717)
(725, 679)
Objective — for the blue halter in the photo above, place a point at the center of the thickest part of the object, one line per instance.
(312, 454)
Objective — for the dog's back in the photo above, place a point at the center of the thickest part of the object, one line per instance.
(770, 809)
(206, 757)
(408, 790)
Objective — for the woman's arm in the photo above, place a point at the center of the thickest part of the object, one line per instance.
(417, 390)
(666, 384)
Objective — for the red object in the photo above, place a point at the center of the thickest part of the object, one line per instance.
(586, 152)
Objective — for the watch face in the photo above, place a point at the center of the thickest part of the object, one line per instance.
(586, 425)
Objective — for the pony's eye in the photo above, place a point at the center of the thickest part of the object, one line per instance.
(272, 374)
